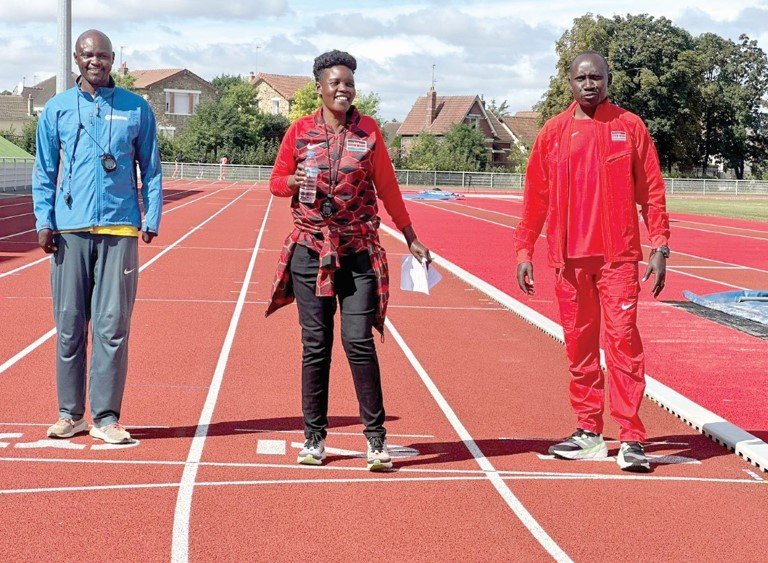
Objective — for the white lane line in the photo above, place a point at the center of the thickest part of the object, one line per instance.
(761, 231)
(15, 216)
(383, 479)
(180, 539)
(711, 267)
(44, 258)
(736, 439)
(725, 234)
(446, 308)
(656, 459)
(37, 343)
(506, 474)
(17, 234)
(754, 475)
(491, 473)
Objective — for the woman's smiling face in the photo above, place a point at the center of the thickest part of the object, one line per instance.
(337, 88)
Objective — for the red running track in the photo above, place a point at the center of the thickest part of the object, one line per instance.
(214, 398)
(718, 367)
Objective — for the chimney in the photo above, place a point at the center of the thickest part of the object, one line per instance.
(30, 105)
(431, 105)
(123, 71)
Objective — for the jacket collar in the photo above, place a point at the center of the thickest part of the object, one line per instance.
(353, 117)
(601, 113)
(109, 88)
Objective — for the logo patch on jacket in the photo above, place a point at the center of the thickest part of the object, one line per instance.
(356, 145)
(618, 135)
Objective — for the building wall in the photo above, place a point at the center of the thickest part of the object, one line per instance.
(265, 94)
(155, 95)
(14, 124)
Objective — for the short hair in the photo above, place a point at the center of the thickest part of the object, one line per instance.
(580, 56)
(333, 58)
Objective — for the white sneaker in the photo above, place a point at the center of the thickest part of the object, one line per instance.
(111, 433)
(378, 455)
(580, 445)
(632, 458)
(66, 428)
(313, 452)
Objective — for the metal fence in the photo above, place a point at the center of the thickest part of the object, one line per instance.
(16, 176)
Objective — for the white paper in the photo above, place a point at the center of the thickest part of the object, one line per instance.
(416, 276)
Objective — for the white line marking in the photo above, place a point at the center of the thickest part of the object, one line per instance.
(394, 451)
(10, 362)
(270, 447)
(129, 427)
(15, 216)
(750, 447)
(754, 475)
(55, 444)
(491, 473)
(17, 234)
(180, 540)
(337, 468)
(676, 221)
(764, 239)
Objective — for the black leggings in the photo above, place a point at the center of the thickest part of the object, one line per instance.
(355, 286)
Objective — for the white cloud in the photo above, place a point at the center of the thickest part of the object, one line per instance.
(501, 49)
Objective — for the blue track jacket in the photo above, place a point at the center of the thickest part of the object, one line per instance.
(73, 191)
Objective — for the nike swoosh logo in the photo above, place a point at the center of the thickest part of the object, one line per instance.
(127, 271)
(627, 306)
(315, 145)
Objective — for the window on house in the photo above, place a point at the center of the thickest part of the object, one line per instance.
(473, 121)
(181, 102)
(275, 106)
(166, 131)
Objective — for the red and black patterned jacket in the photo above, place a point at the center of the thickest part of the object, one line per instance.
(364, 172)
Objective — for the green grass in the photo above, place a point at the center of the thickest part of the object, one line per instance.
(755, 209)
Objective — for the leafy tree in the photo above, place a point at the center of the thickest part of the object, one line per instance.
(224, 82)
(500, 111)
(28, 136)
(368, 104)
(467, 145)
(124, 80)
(305, 101)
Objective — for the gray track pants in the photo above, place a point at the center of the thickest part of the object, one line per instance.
(93, 278)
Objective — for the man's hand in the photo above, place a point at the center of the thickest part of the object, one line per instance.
(147, 236)
(657, 265)
(45, 240)
(525, 277)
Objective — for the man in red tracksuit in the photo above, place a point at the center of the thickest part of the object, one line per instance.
(589, 169)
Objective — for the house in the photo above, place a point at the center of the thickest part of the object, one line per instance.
(275, 92)
(173, 94)
(436, 115)
(43, 91)
(15, 113)
(390, 130)
(523, 126)
(9, 150)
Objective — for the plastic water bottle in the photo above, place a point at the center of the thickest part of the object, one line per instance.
(308, 190)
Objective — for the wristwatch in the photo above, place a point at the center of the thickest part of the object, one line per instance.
(663, 249)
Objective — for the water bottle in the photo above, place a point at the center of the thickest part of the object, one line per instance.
(308, 190)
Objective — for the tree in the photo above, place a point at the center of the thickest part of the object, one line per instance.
(368, 104)
(224, 82)
(305, 101)
(124, 80)
(500, 111)
(462, 149)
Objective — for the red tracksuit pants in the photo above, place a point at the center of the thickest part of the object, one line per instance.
(585, 288)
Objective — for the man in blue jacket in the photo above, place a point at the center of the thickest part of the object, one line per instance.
(84, 187)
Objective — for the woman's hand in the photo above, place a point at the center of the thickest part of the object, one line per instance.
(420, 251)
(298, 178)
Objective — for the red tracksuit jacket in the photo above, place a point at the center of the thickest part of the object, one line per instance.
(629, 176)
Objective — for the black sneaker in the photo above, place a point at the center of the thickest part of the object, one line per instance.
(580, 445)
(632, 458)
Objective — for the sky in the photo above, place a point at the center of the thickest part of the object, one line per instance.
(502, 50)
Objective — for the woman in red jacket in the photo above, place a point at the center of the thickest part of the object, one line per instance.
(333, 253)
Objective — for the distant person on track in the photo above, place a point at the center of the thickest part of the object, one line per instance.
(588, 169)
(177, 166)
(333, 254)
(90, 224)
(223, 168)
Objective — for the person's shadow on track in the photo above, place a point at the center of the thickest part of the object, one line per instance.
(253, 426)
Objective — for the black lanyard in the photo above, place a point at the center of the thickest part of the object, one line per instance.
(333, 175)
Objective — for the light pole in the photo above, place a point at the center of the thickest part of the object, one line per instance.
(64, 71)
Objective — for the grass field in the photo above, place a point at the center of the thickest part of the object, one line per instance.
(755, 209)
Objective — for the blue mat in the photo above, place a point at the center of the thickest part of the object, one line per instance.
(434, 195)
(748, 304)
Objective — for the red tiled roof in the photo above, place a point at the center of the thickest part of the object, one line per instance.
(524, 125)
(146, 78)
(391, 129)
(283, 84)
(450, 110)
(44, 90)
(501, 132)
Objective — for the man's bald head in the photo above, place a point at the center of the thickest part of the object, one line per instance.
(93, 34)
(597, 59)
